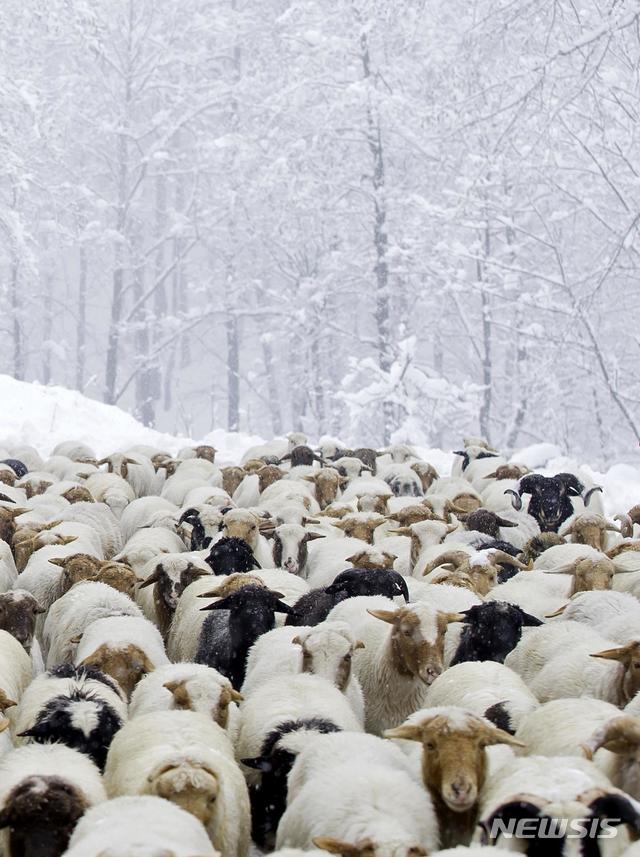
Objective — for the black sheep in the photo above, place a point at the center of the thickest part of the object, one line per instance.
(225, 638)
(231, 555)
(550, 502)
(301, 455)
(491, 630)
(18, 467)
(269, 797)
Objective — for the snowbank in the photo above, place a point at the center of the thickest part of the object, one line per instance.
(43, 416)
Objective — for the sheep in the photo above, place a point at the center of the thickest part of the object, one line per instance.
(552, 671)
(8, 570)
(278, 753)
(144, 826)
(147, 544)
(328, 557)
(135, 468)
(244, 524)
(538, 544)
(328, 483)
(402, 655)
(169, 578)
(360, 525)
(402, 480)
(75, 450)
(589, 529)
(550, 502)
(619, 739)
(325, 650)
(81, 566)
(16, 672)
(345, 810)
(44, 790)
(148, 512)
(205, 522)
(79, 707)
(598, 607)
(290, 547)
(314, 606)
(124, 647)
(350, 467)
(557, 795)
(289, 490)
(454, 763)
(287, 698)
(588, 574)
(231, 478)
(72, 614)
(186, 758)
(101, 519)
(481, 568)
(486, 688)
(111, 489)
(189, 686)
(488, 633)
(230, 555)
(225, 640)
(535, 592)
(18, 614)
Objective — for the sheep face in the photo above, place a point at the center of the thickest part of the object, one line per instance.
(230, 555)
(620, 735)
(628, 657)
(267, 475)
(126, 665)
(41, 813)
(206, 452)
(242, 525)
(214, 702)
(77, 567)
(375, 503)
(192, 788)
(290, 547)
(550, 502)
(417, 646)
(327, 482)
(7, 522)
(589, 575)
(328, 653)
(231, 478)
(454, 762)
(491, 631)
(19, 611)
(590, 530)
(360, 526)
(426, 473)
(536, 546)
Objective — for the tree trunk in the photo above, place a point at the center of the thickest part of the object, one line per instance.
(16, 308)
(81, 322)
(487, 358)
(272, 384)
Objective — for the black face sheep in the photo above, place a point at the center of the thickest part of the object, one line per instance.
(314, 606)
(490, 631)
(18, 467)
(230, 555)
(487, 522)
(269, 796)
(225, 640)
(550, 502)
(301, 455)
(169, 580)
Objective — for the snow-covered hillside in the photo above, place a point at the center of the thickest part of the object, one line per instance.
(44, 416)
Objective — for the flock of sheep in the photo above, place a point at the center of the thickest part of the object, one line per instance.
(316, 650)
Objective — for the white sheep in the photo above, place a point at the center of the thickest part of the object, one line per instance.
(188, 759)
(328, 557)
(325, 650)
(16, 671)
(71, 615)
(486, 688)
(101, 519)
(288, 698)
(140, 826)
(402, 654)
(147, 544)
(111, 489)
(124, 647)
(148, 512)
(340, 808)
(193, 686)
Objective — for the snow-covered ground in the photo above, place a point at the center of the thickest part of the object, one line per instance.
(43, 416)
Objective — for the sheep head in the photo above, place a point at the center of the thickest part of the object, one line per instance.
(417, 647)
(19, 611)
(231, 478)
(328, 652)
(192, 787)
(78, 494)
(589, 530)
(360, 525)
(628, 656)
(454, 762)
(119, 576)
(77, 567)
(372, 559)
(620, 735)
(588, 574)
(126, 664)
(361, 848)
(188, 695)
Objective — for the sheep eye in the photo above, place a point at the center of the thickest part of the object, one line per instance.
(347, 657)
(430, 745)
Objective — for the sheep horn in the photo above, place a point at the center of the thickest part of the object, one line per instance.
(557, 612)
(626, 525)
(516, 501)
(586, 498)
(502, 556)
(154, 577)
(5, 499)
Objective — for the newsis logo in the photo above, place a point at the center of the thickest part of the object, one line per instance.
(552, 828)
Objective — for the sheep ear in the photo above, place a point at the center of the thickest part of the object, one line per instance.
(309, 478)
(310, 537)
(408, 731)
(59, 561)
(4, 724)
(452, 617)
(618, 654)
(341, 525)
(530, 621)
(179, 692)
(401, 531)
(67, 540)
(389, 616)
(493, 736)
(335, 846)
(281, 607)
(5, 702)
(130, 461)
(154, 577)
(258, 764)
(296, 641)
(359, 645)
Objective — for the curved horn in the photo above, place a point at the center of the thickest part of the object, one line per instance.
(516, 501)
(586, 497)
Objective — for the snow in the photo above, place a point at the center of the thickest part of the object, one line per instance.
(42, 417)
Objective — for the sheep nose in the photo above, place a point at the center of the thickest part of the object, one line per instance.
(460, 789)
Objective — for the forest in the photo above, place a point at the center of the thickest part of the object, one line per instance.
(377, 220)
